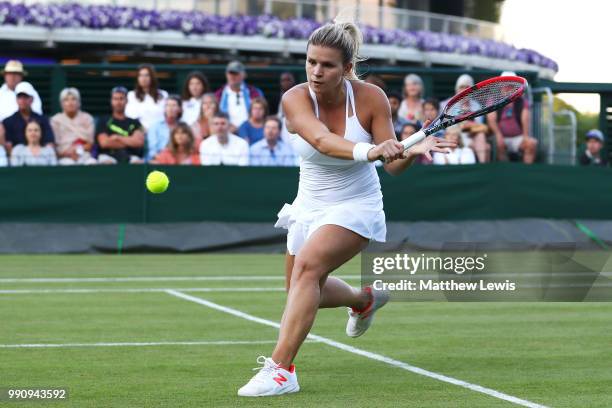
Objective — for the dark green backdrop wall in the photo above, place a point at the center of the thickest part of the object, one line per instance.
(116, 194)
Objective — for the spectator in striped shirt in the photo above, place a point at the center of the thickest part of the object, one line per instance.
(33, 154)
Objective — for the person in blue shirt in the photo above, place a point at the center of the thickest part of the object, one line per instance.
(158, 135)
(272, 150)
(251, 130)
(236, 96)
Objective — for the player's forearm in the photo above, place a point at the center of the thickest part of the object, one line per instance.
(333, 145)
(397, 167)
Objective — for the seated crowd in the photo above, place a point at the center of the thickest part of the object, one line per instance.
(507, 130)
(231, 126)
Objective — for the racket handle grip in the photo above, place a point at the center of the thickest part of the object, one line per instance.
(410, 141)
(413, 139)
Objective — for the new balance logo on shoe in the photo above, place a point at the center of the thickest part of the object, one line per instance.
(280, 379)
(271, 379)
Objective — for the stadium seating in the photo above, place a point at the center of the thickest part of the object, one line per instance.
(98, 17)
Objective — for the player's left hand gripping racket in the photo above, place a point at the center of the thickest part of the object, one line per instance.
(484, 97)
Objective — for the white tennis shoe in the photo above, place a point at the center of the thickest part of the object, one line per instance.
(271, 380)
(360, 321)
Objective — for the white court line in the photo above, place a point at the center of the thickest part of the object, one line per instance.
(368, 354)
(137, 344)
(134, 290)
(268, 278)
(241, 289)
(155, 279)
(142, 344)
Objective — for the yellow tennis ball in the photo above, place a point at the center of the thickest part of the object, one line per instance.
(157, 182)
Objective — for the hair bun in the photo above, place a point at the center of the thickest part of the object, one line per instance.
(342, 34)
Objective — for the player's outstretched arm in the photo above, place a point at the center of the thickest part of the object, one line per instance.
(383, 132)
(301, 119)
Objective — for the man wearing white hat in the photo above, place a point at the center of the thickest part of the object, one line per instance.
(13, 73)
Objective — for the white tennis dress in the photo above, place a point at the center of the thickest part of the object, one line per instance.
(334, 191)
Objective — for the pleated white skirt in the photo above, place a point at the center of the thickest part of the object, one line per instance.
(363, 217)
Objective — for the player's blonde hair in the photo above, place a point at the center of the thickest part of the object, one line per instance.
(343, 35)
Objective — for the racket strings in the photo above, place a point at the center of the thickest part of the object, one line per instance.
(481, 98)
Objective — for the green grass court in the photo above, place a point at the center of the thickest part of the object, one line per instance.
(551, 354)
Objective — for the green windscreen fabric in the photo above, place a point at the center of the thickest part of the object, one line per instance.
(116, 194)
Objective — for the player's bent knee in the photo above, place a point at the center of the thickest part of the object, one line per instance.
(305, 269)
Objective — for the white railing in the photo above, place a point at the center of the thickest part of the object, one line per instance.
(565, 137)
(543, 123)
(555, 131)
(364, 11)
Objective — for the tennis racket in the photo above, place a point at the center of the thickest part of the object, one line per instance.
(484, 97)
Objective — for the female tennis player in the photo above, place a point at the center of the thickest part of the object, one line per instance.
(339, 126)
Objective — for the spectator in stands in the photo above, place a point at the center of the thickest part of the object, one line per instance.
(510, 125)
(272, 150)
(431, 112)
(181, 149)
(431, 109)
(158, 135)
(376, 80)
(287, 81)
(252, 130)
(14, 73)
(223, 147)
(411, 107)
(398, 122)
(3, 157)
(15, 124)
(408, 129)
(458, 155)
(33, 153)
(592, 154)
(119, 139)
(236, 95)
(146, 101)
(73, 130)
(473, 132)
(196, 85)
(201, 128)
